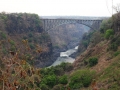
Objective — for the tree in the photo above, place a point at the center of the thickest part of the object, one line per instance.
(63, 79)
(117, 8)
(81, 78)
(49, 80)
(93, 61)
(108, 33)
(116, 18)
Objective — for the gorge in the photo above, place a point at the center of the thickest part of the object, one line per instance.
(66, 37)
(78, 57)
(68, 34)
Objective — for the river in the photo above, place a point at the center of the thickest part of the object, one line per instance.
(65, 57)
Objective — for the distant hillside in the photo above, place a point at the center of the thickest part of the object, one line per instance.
(17, 29)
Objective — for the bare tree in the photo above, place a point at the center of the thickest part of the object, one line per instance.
(117, 8)
(116, 18)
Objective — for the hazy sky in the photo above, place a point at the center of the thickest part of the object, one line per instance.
(60, 7)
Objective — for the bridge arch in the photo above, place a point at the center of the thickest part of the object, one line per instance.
(68, 23)
(49, 24)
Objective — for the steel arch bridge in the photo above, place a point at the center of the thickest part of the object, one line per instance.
(49, 24)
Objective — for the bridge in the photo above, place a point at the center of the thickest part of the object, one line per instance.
(49, 24)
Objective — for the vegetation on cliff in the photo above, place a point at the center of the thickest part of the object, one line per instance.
(26, 28)
(104, 45)
(24, 45)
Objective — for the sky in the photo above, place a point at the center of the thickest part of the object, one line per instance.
(60, 7)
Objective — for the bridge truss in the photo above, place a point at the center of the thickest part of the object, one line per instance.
(49, 24)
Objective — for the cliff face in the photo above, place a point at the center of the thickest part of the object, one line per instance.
(22, 33)
(100, 51)
(88, 38)
(67, 35)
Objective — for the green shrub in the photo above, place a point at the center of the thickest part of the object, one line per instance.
(32, 46)
(3, 35)
(13, 48)
(106, 24)
(12, 42)
(93, 61)
(47, 71)
(116, 53)
(85, 43)
(118, 41)
(81, 78)
(113, 46)
(58, 70)
(114, 43)
(66, 66)
(4, 50)
(30, 35)
(4, 17)
(49, 80)
(63, 79)
(109, 33)
(44, 87)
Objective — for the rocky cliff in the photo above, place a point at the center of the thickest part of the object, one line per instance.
(66, 36)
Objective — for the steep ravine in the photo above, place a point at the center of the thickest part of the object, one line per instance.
(66, 37)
